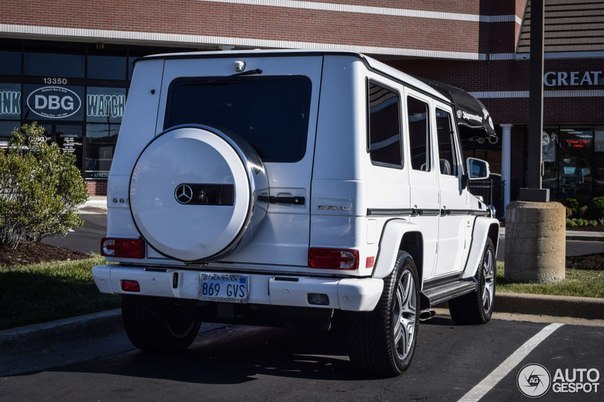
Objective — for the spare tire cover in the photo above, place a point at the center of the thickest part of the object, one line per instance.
(193, 192)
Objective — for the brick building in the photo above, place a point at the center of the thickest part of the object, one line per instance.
(85, 50)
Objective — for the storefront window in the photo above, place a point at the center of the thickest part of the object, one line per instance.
(57, 86)
(6, 128)
(599, 139)
(11, 63)
(107, 67)
(576, 148)
(100, 146)
(54, 65)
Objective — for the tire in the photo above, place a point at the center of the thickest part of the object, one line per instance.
(155, 326)
(477, 307)
(382, 342)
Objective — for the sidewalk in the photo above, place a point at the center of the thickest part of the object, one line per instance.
(94, 205)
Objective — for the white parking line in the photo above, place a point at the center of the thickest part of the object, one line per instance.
(490, 381)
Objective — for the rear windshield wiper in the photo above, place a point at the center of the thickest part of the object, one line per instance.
(236, 75)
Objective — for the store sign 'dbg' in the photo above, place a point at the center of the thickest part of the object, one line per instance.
(54, 102)
(76, 103)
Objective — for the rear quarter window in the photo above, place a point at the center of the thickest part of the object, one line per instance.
(384, 124)
(270, 113)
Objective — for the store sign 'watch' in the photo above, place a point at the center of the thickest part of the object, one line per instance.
(105, 105)
(54, 102)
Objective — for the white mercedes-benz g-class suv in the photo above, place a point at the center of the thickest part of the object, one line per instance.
(295, 187)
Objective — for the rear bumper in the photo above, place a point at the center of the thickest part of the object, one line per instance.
(350, 294)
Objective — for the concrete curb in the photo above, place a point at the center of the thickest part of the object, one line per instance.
(592, 236)
(571, 235)
(560, 306)
(58, 343)
(36, 336)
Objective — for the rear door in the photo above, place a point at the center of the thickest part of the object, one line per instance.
(455, 222)
(423, 176)
(272, 105)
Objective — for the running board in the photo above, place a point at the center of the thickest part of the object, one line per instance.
(448, 291)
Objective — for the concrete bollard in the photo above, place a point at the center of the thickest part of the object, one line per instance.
(535, 242)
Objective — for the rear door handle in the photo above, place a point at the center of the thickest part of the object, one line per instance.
(282, 199)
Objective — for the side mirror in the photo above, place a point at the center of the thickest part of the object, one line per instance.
(477, 169)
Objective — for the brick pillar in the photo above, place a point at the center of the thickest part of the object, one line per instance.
(96, 187)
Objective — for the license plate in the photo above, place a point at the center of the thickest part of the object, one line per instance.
(224, 287)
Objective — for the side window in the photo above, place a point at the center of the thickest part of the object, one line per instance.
(419, 134)
(446, 143)
(384, 125)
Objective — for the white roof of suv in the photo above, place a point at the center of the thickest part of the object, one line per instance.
(373, 64)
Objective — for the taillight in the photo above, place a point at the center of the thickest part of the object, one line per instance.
(129, 285)
(124, 248)
(333, 258)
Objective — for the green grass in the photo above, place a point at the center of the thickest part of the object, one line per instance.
(50, 291)
(578, 282)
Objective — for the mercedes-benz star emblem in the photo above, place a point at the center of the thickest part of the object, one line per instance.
(183, 194)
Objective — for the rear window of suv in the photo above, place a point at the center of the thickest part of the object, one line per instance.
(270, 113)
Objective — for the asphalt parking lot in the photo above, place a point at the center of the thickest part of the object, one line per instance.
(250, 363)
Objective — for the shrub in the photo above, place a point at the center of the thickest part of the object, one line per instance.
(579, 222)
(579, 208)
(572, 207)
(40, 188)
(596, 208)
